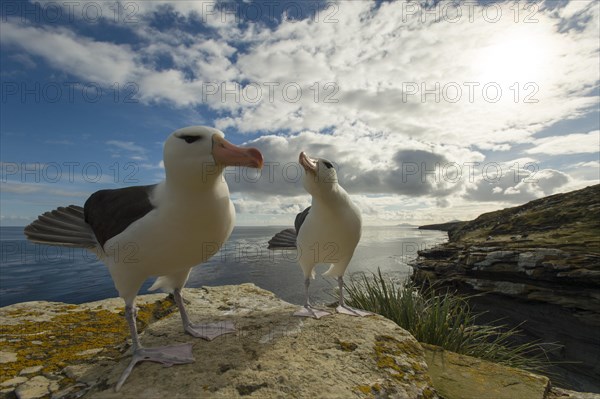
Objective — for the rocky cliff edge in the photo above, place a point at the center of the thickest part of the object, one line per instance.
(68, 351)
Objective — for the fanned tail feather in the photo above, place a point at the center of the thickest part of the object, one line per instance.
(285, 239)
(64, 226)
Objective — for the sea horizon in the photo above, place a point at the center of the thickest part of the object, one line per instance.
(35, 272)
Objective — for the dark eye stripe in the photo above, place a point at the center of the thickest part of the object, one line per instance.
(190, 139)
(328, 164)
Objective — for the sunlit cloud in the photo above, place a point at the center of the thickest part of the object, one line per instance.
(577, 143)
(400, 97)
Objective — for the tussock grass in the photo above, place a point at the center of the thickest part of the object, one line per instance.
(445, 319)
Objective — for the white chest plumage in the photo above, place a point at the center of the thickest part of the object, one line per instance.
(329, 236)
(330, 233)
(181, 232)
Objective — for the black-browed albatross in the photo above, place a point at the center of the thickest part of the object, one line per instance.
(326, 232)
(159, 230)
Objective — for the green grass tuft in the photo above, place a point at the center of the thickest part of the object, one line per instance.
(444, 319)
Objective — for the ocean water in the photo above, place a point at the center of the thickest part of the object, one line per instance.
(31, 272)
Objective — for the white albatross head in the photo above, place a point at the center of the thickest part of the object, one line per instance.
(200, 153)
(320, 176)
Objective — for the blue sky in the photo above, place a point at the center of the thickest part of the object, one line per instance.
(432, 111)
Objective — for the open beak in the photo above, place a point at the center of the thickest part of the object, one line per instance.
(308, 164)
(228, 154)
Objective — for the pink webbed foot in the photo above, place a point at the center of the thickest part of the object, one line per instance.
(345, 309)
(167, 355)
(309, 311)
(210, 331)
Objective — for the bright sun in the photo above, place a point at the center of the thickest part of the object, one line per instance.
(514, 58)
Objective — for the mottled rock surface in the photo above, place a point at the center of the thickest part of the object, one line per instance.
(272, 354)
(44, 340)
(464, 377)
(37, 387)
(538, 263)
(276, 355)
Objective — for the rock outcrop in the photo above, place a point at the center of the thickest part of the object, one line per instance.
(448, 226)
(538, 263)
(82, 350)
(61, 351)
(462, 377)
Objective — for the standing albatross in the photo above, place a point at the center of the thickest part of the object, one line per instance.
(327, 232)
(160, 230)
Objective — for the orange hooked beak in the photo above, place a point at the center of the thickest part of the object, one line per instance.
(308, 164)
(228, 154)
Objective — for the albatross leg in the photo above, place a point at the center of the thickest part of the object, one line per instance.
(307, 310)
(208, 331)
(345, 309)
(167, 355)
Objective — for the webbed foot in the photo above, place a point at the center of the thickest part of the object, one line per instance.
(210, 331)
(345, 309)
(309, 311)
(167, 355)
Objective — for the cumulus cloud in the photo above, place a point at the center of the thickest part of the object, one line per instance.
(95, 61)
(12, 220)
(9, 187)
(577, 143)
(583, 174)
(135, 152)
(277, 205)
(282, 210)
(363, 164)
(127, 145)
(390, 69)
(403, 80)
(403, 103)
(517, 186)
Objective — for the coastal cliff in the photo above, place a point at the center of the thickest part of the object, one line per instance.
(538, 263)
(56, 350)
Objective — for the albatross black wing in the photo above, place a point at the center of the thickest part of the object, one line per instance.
(109, 212)
(64, 226)
(286, 239)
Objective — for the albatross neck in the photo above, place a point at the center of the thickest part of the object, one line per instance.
(185, 185)
(330, 197)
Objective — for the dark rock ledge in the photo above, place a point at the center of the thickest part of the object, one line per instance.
(538, 263)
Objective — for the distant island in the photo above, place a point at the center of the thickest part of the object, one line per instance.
(406, 225)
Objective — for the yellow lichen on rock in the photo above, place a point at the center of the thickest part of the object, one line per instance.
(69, 336)
(403, 361)
(272, 354)
(458, 376)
